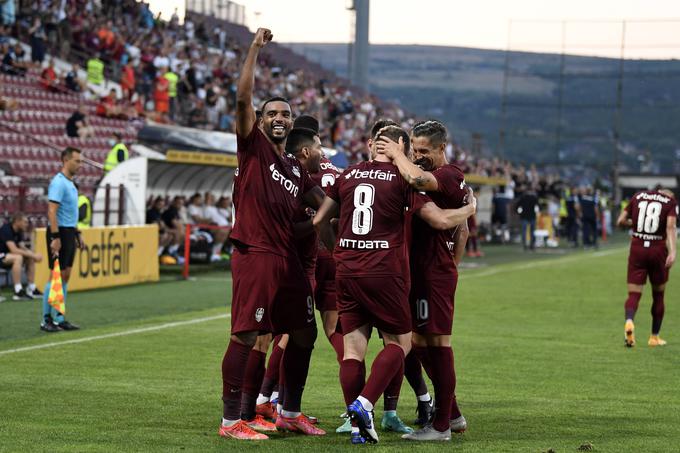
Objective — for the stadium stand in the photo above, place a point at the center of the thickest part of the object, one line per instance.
(204, 53)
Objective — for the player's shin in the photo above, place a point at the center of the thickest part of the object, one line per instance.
(352, 379)
(632, 303)
(296, 367)
(252, 381)
(233, 370)
(444, 385)
(386, 365)
(658, 310)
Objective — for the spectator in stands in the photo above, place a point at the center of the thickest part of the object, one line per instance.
(95, 70)
(215, 217)
(49, 78)
(171, 219)
(73, 81)
(77, 125)
(8, 12)
(4, 33)
(154, 216)
(16, 256)
(527, 208)
(161, 96)
(12, 60)
(119, 153)
(224, 209)
(8, 105)
(37, 37)
(107, 106)
(172, 90)
(127, 81)
(198, 116)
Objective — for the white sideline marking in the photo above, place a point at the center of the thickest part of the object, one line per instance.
(566, 259)
(123, 333)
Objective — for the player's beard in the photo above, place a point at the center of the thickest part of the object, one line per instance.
(276, 139)
(424, 163)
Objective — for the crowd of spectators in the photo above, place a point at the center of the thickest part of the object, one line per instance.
(211, 217)
(184, 73)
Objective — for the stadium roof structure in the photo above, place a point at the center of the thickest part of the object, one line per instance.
(143, 177)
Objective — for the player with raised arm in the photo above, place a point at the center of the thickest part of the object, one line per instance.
(304, 143)
(651, 214)
(270, 292)
(371, 199)
(434, 258)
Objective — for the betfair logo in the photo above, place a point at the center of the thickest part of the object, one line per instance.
(108, 257)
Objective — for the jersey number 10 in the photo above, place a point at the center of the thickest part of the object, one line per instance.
(648, 217)
(362, 216)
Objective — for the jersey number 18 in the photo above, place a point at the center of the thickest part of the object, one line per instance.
(648, 217)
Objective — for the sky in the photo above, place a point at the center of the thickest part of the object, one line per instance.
(590, 27)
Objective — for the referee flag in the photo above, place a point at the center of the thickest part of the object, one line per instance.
(56, 294)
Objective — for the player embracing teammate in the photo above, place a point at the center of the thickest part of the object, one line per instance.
(270, 291)
(434, 255)
(371, 200)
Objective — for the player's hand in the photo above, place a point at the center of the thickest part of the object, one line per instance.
(55, 246)
(262, 37)
(79, 241)
(670, 259)
(37, 257)
(389, 147)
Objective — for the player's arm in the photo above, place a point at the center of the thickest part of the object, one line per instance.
(312, 198)
(16, 249)
(322, 221)
(623, 221)
(671, 239)
(245, 113)
(445, 219)
(460, 238)
(417, 177)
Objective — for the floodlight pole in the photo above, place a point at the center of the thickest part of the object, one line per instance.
(617, 121)
(504, 95)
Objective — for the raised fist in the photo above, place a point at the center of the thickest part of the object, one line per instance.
(262, 37)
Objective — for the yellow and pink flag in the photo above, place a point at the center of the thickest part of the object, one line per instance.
(56, 295)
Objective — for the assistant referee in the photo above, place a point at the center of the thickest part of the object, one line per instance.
(62, 235)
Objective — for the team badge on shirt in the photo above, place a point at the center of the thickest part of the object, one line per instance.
(296, 171)
(259, 313)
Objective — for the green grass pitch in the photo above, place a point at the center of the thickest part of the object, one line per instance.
(538, 343)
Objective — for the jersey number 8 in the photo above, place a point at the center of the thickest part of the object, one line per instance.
(362, 216)
(648, 217)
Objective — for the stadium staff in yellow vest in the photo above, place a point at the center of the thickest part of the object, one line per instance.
(118, 153)
(172, 79)
(95, 70)
(84, 212)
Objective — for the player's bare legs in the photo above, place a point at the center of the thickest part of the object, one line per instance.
(329, 318)
(631, 306)
(658, 309)
(252, 381)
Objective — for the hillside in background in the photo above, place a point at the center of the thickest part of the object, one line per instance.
(464, 87)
